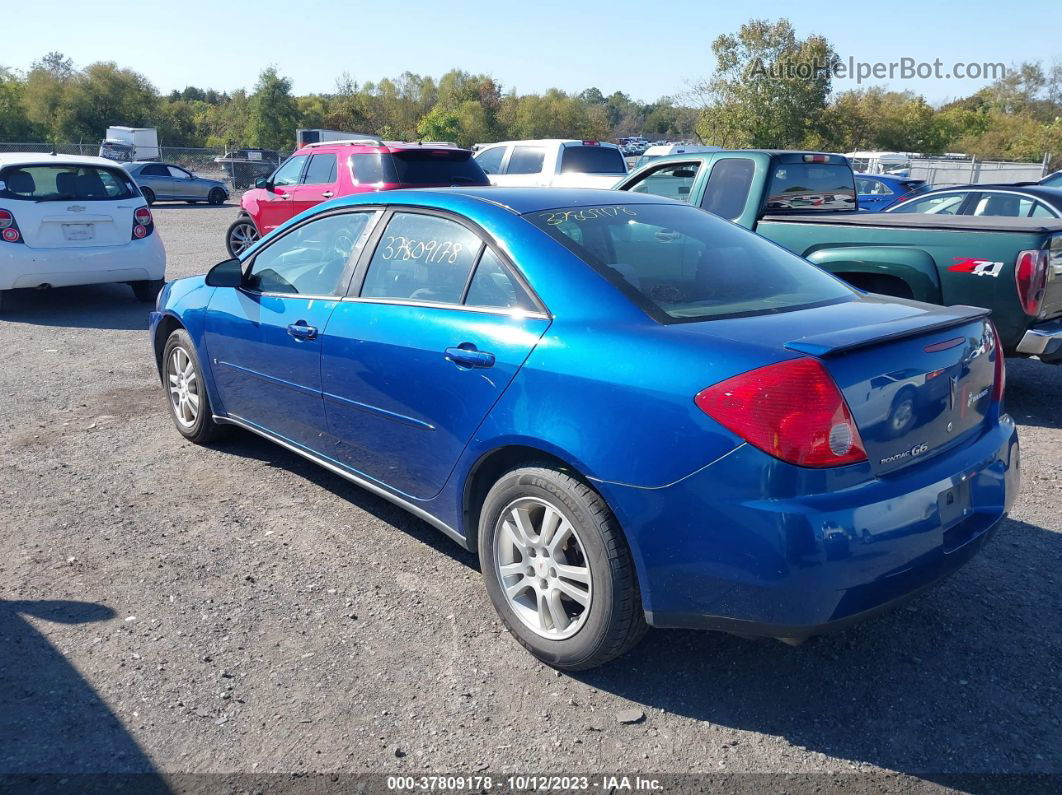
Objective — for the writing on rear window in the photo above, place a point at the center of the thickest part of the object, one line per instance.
(586, 214)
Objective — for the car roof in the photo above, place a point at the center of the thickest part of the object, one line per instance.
(375, 145)
(516, 200)
(44, 158)
(528, 141)
(1053, 195)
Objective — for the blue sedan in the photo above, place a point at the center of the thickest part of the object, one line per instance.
(876, 192)
(637, 413)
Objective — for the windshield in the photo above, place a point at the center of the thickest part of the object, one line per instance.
(592, 160)
(679, 263)
(65, 183)
(1053, 181)
(811, 186)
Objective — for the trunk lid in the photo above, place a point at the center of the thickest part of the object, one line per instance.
(61, 224)
(917, 378)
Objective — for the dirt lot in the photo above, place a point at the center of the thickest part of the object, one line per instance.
(177, 609)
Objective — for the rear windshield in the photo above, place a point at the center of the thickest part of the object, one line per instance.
(429, 167)
(811, 186)
(65, 183)
(915, 186)
(592, 160)
(682, 264)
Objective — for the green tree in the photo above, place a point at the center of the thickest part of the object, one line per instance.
(47, 96)
(769, 88)
(273, 114)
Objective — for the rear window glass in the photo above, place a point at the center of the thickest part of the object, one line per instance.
(65, 183)
(681, 264)
(811, 186)
(437, 167)
(592, 160)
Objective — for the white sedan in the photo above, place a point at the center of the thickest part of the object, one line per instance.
(68, 220)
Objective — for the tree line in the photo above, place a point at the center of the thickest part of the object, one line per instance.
(755, 98)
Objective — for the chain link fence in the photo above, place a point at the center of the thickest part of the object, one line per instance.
(234, 167)
(945, 172)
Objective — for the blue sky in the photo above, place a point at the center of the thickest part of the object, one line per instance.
(647, 49)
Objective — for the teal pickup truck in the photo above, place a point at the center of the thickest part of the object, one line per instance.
(806, 202)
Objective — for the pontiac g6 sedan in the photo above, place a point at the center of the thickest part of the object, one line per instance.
(638, 413)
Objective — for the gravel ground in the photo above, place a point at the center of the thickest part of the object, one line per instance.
(171, 608)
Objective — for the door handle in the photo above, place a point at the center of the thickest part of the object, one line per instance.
(301, 331)
(328, 194)
(466, 355)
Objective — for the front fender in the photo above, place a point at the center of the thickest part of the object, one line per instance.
(913, 265)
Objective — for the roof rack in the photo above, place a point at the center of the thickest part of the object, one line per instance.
(366, 141)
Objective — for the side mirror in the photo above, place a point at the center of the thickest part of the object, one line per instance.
(263, 182)
(225, 274)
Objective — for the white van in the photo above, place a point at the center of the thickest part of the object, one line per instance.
(552, 163)
(68, 220)
(654, 152)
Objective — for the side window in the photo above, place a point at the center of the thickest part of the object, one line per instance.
(421, 258)
(490, 160)
(673, 181)
(288, 173)
(1042, 211)
(874, 187)
(370, 169)
(1003, 204)
(154, 170)
(863, 185)
(525, 160)
(938, 204)
(728, 187)
(311, 259)
(178, 173)
(321, 171)
(493, 285)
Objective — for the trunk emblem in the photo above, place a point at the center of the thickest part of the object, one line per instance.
(75, 208)
(954, 392)
(950, 426)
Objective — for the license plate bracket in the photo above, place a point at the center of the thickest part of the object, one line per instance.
(953, 505)
(76, 232)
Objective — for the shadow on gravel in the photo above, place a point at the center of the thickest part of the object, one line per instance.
(99, 306)
(51, 719)
(1034, 392)
(199, 205)
(962, 680)
(247, 445)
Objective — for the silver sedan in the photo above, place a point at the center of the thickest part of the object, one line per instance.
(167, 182)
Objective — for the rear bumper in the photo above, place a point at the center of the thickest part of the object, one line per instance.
(138, 260)
(1044, 340)
(757, 547)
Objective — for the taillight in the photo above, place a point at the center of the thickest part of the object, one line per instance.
(9, 230)
(792, 410)
(999, 383)
(143, 223)
(1030, 274)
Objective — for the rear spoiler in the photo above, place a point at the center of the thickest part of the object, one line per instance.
(833, 343)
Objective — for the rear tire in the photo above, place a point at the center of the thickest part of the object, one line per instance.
(216, 197)
(186, 394)
(241, 234)
(149, 195)
(147, 291)
(571, 598)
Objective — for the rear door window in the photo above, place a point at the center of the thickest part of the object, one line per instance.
(422, 258)
(65, 183)
(526, 160)
(592, 160)
(490, 160)
(321, 170)
(728, 186)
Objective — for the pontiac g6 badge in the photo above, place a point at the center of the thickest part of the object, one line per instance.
(914, 452)
(978, 267)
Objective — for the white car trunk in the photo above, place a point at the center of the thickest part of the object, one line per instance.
(61, 224)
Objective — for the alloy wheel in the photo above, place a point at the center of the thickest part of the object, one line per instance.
(543, 569)
(241, 236)
(183, 384)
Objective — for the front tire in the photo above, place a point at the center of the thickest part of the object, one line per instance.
(558, 570)
(147, 291)
(149, 195)
(216, 197)
(240, 236)
(186, 393)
